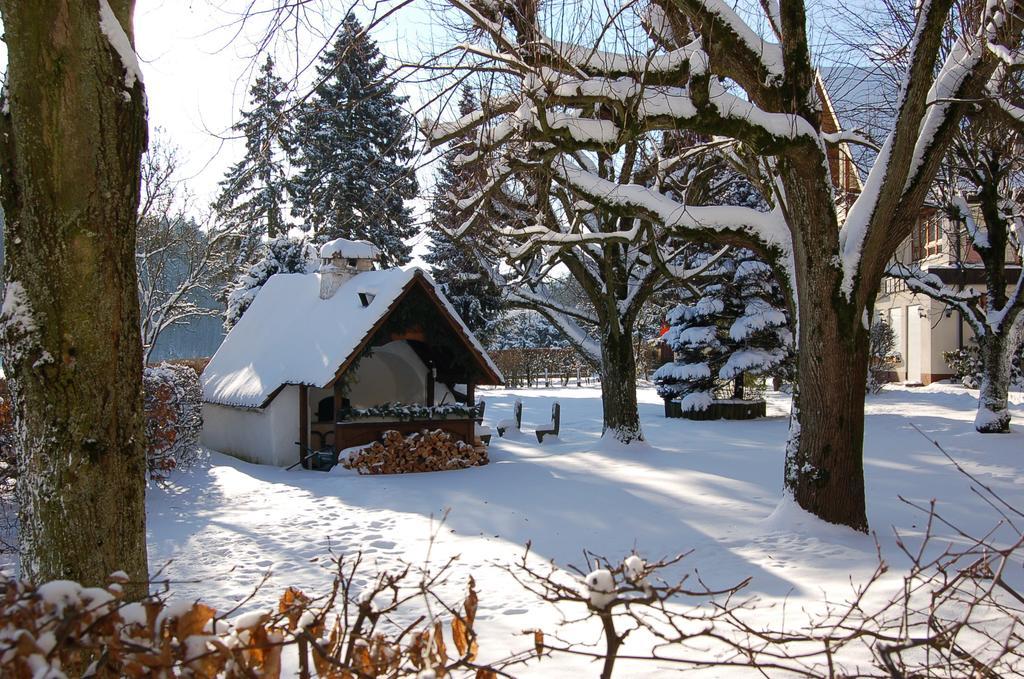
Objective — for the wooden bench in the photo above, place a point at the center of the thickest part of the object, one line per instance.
(505, 425)
(552, 429)
(482, 431)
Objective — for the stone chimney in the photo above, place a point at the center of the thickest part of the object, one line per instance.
(342, 259)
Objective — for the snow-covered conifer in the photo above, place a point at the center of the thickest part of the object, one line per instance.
(736, 324)
(695, 339)
(281, 255)
(354, 150)
(760, 341)
(526, 330)
(253, 192)
(453, 264)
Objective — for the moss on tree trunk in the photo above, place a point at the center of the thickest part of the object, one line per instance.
(74, 129)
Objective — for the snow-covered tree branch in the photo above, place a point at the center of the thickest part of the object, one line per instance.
(985, 162)
(178, 260)
(574, 109)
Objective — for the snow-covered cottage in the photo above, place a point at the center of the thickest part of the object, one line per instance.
(314, 351)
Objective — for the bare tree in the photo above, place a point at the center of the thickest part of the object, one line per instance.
(616, 263)
(179, 259)
(699, 66)
(985, 163)
(73, 130)
(977, 188)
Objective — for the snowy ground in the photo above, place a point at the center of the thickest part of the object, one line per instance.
(713, 487)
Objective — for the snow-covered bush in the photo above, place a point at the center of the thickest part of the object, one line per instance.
(280, 255)
(967, 366)
(883, 356)
(174, 418)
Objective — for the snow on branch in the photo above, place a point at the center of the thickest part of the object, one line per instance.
(643, 91)
(767, 229)
(965, 300)
(849, 137)
(944, 93)
(1012, 58)
(758, 54)
(118, 39)
(596, 62)
(921, 131)
(567, 324)
(977, 233)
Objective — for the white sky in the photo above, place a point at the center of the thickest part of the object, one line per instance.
(197, 68)
(197, 71)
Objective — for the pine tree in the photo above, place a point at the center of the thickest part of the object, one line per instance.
(254, 190)
(695, 336)
(760, 341)
(354, 151)
(523, 329)
(737, 323)
(471, 292)
(281, 255)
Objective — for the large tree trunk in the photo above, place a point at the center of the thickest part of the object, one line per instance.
(618, 386)
(993, 415)
(74, 129)
(824, 468)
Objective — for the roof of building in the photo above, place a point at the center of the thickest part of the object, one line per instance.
(291, 336)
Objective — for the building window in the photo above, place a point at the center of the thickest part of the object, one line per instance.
(927, 236)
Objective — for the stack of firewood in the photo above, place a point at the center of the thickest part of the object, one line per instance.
(425, 451)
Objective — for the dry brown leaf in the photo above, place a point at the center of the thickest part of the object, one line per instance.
(194, 621)
(441, 651)
(363, 661)
(292, 603)
(471, 603)
(460, 635)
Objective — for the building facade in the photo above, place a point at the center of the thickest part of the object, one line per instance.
(925, 328)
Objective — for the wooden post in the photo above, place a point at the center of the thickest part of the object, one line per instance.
(470, 394)
(338, 400)
(303, 422)
(430, 383)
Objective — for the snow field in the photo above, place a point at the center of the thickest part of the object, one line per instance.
(713, 487)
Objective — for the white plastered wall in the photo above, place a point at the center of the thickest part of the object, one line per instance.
(264, 436)
(938, 330)
(393, 372)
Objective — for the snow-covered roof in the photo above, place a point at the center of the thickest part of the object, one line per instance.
(291, 336)
(350, 249)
